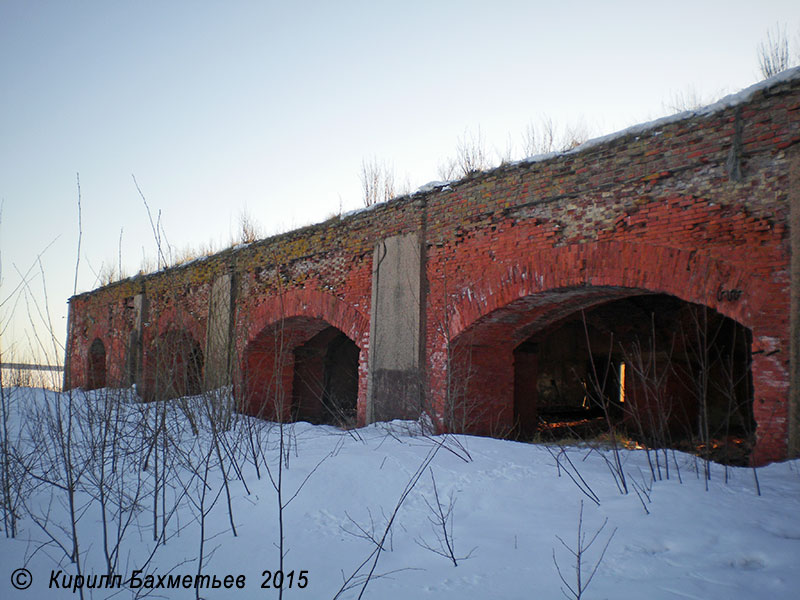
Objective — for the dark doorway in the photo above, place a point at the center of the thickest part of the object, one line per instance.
(178, 366)
(301, 369)
(325, 383)
(661, 371)
(96, 368)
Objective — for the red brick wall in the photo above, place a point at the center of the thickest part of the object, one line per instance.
(103, 316)
(658, 209)
(317, 309)
(655, 212)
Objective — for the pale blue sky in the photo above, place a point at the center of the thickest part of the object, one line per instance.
(220, 107)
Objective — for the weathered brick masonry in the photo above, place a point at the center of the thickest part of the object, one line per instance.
(448, 294)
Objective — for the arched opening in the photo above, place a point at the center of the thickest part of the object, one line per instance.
(178, 365)
(302, 369)
(96, 365)
(325, 381)
(660, 371)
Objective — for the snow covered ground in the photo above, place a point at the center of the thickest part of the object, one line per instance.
(512, 503)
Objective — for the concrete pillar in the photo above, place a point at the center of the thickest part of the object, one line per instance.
(217, 369)
(395, 383)
(794, 311)
(135, 358)
(67, 383)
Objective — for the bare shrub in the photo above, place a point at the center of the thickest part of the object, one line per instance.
(539, 139)
(440, 517)
(377, 181)
(13, 482)
(583, 569)
(574, 135)
(546, 137)
(154, 225)
(249, 229)
(650, 407)
(597, 383)
(366, 571)
(773, 52)
(471, 157)
(506, 155)
(568, 467)
(684, 100)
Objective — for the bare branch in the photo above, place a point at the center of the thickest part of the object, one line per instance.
(773, 52)
(80, 235)
(377, 181)
(582, 546)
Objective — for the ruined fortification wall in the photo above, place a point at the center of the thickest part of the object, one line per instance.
(696, 207)
(691, 208)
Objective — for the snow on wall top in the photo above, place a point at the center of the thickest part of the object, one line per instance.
(728, 101)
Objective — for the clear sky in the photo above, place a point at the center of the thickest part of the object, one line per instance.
(269, 108)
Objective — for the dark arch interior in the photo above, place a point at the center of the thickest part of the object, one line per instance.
(302, 369)
(580, 361)
(325, 384)
(96, 372)
(665, 372)
(178, 366)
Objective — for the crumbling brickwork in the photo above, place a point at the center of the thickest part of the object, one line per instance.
(696, 208)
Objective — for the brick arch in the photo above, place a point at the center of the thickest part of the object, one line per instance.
(307, 303)
(306, 313)
(100, 332)
(634, 214)
(96, 365)
(640, 268)
(174, 355)
(176, 317)
(579, 276)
